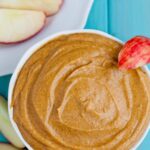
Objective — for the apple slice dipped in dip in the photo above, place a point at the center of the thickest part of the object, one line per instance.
(19, 25)
(49, 7)
(135, 53)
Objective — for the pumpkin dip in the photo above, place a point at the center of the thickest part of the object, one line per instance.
(70, 95)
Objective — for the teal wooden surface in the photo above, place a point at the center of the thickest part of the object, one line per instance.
(121, 18)
(3, 139)
(128, 18)
(4, 82)
(98, 17)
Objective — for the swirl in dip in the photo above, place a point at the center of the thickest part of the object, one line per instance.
(70, 95)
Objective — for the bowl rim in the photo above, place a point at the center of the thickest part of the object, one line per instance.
(36, 47)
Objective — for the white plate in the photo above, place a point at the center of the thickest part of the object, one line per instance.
(73, 15)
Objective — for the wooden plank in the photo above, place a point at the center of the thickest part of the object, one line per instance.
(98, 16)
(128, 18)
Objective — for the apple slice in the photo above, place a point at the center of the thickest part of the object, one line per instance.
(19, 25)
(7, 147)
(49, 7)
(135, 53)
(6, 127)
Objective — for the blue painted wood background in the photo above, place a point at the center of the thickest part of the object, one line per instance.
(121, 18)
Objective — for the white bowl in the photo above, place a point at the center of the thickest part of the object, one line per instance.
(27, 56)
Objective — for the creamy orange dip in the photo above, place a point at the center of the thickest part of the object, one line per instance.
(70, 95)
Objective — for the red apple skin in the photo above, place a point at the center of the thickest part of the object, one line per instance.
(135, 53)
(21, 41)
